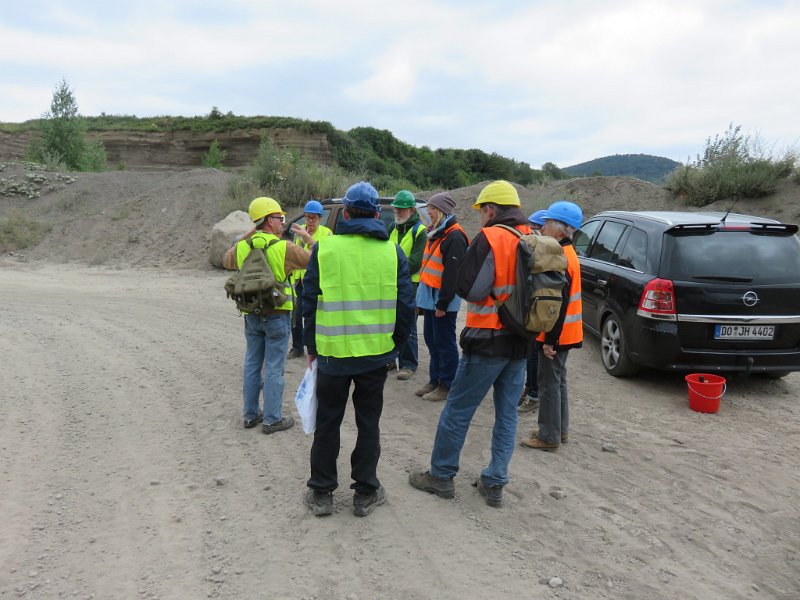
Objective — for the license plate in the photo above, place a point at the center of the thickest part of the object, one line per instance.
(744, 332)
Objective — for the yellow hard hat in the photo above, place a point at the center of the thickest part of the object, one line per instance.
(261, 207)
(498, 192)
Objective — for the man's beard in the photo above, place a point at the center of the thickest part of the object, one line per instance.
(401, 220)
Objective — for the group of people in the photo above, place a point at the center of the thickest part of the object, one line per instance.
(356, 296)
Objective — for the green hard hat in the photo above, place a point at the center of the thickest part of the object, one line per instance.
(404, 199)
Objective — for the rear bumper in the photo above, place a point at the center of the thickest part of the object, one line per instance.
(655, 344)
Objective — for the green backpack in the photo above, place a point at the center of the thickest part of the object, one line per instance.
(253, 287)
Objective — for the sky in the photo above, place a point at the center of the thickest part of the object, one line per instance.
(537, 81)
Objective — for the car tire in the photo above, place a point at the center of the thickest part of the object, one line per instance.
(613, 349)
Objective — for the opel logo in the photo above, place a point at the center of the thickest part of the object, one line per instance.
(750, 299)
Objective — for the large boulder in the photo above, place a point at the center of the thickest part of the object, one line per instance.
(224, 233)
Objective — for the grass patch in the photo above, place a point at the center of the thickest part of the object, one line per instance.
(733, 165)
(18, 232)
(288, 176)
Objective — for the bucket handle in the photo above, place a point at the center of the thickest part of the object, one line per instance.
(724, 387)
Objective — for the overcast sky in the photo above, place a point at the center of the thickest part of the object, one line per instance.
(564, 81)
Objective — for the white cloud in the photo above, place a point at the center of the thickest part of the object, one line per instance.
(563, 81)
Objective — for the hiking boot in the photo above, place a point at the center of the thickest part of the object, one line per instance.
(321, 503)
(437, 395)
(492, 494)
(284, 423)
(423, 480)
(404, 374)
(522, 395)
(250, 423)
(428, 387)
(295, 353)
(391, 366)
(364, 504)
(537, 444)
(564, 435)
(529, 404)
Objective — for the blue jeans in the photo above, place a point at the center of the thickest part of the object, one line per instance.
(553, 399)
(440, 337)
(474, 376)
(408, 353)
(267, 341)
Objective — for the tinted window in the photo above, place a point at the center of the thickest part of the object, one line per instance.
(634, 254)
(734, 255)
(583, 236)
(607, 240)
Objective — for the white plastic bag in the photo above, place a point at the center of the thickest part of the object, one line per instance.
(306, 399)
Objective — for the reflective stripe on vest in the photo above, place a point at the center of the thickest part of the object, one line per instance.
(407, 243)
(321, 232)
(276, 257)
(357, 305)
(572, 331)
(503, 246)
(432, 260)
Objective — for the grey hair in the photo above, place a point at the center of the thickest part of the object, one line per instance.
(565, 230)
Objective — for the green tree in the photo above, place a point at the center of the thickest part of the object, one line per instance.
(552, 170)
(215, 156)
(64, 135)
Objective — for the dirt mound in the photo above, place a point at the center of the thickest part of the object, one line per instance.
(164, 218)
(122, 218)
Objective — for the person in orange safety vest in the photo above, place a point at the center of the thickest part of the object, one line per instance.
(561, 221)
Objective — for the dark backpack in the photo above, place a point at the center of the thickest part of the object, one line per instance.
(253, 287)
(535, 302)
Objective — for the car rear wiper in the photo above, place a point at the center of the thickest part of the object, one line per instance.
(723, 278)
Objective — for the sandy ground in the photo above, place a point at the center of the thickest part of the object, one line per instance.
(125, 472)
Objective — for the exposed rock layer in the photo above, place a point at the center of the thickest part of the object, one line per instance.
(140, 150)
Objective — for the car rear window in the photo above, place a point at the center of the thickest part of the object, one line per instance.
(732, 256)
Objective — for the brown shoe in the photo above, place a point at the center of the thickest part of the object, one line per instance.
(283, 424)
(404, 374)
(428, 387)
(437, 395)
(537, 444)
(529, 404)
(423, 480)
(564, 435)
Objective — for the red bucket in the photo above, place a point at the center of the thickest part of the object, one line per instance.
(705, 391)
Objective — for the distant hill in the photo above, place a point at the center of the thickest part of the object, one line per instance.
(642, 166)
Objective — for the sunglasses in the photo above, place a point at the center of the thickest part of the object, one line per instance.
(281, 218)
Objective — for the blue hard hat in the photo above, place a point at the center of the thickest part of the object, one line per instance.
(313, 208)
(362, 195)
(566, 212)
(537, 218)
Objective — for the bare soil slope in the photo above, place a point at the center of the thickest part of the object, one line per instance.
(163, 219)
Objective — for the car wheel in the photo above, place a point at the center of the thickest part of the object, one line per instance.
(614, 351)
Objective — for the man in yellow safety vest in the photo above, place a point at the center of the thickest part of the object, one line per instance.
(409, 233)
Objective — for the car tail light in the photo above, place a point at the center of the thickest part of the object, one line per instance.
(658, 300)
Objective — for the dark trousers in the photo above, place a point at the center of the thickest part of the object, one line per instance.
(332, 393)
(531, 381)
(440, 338)
(297, 318)
(553, 398)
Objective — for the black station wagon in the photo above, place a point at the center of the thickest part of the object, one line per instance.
(692, 291)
